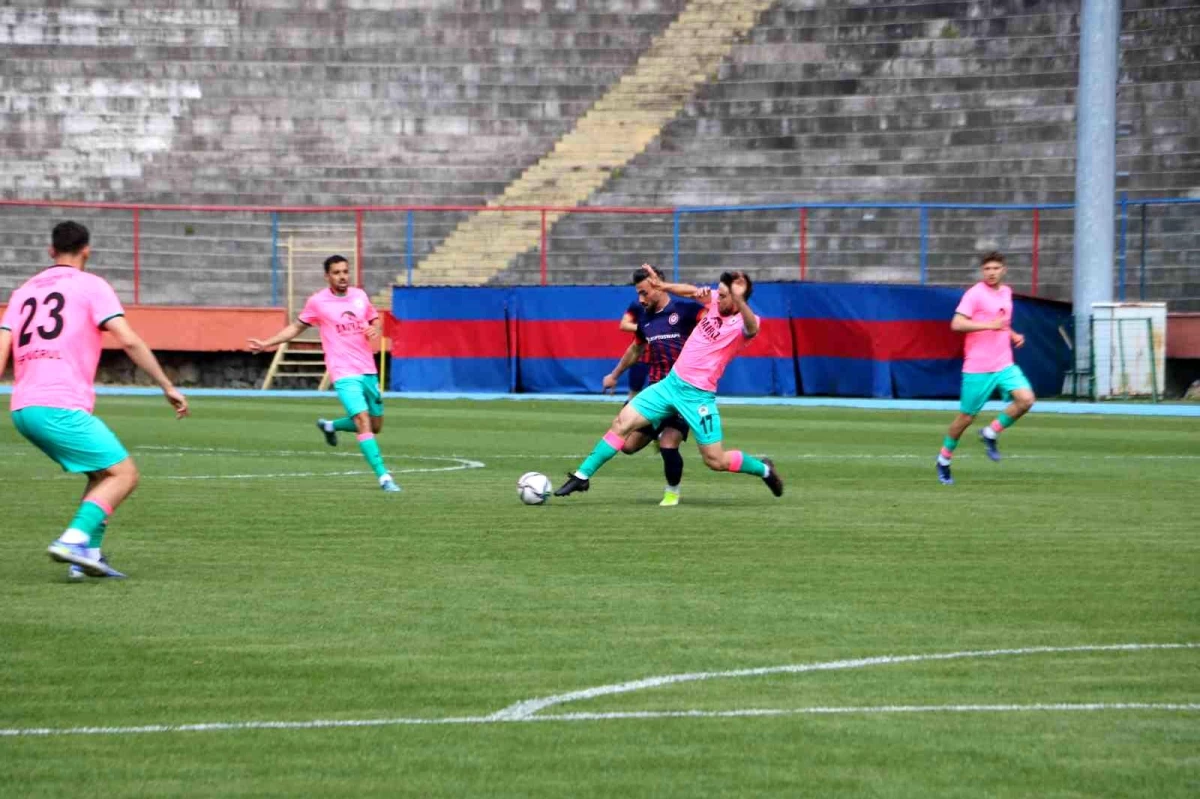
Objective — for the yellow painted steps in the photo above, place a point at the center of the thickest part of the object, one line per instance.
(616, 129)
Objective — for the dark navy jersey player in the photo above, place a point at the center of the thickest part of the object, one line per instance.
(639, 370)
(662, 326)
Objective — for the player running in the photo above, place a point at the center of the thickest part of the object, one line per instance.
(689, 389)
(348, 324)
(52, 326)
(662, 324)
(985, 315)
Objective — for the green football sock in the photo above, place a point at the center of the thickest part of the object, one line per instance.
(344, 425)
(747, 464)
(370, 451)
(602, 453)
(949, 443)
(1005, 420)
(98, 536)
(89, 520)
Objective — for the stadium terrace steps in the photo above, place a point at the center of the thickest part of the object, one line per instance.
(619, 126)
(263, 102)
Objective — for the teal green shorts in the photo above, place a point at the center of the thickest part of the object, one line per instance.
(672, 395)
(978, 387)
(74, 439)
(360, 393)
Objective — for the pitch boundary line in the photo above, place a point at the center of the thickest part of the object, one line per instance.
(527, 711)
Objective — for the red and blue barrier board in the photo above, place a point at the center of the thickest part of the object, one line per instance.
(867, 340)
(451, 339)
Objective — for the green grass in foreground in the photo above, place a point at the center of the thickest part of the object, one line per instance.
(313, 595)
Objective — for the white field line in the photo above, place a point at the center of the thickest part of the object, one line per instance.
(529, 707)
(325, 724)
(524, 712)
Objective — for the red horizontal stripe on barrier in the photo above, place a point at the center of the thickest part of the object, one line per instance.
(774, 340)
(877, 341)
(442, 339)
(572, 339)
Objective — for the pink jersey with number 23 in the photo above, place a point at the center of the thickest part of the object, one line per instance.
(55, 319)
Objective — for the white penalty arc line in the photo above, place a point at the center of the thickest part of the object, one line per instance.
(529, 707)
(524, 712)
(456, 464)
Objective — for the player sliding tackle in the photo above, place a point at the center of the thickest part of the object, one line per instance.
(689, 389)
(662, 324)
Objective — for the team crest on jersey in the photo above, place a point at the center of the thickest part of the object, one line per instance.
(673, 319)
(702, 410)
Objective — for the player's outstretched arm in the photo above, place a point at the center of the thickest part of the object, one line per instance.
(632, 353)
(5, 349)
(685, 290)
(628, 323)
(141, 355)
(287, 334)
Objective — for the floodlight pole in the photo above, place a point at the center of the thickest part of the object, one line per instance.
(1095, 165)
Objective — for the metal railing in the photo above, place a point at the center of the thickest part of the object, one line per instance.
(232, 254)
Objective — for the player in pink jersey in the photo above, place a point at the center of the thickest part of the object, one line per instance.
(689, 389)
(349, 325)
(985, 315)
(52, 327)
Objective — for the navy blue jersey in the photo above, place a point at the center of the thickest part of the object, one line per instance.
(665, 333)
(635, 310)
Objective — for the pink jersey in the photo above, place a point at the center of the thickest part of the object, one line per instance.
(710, 348)
(987, 350)
(343, 323)
(55, 319)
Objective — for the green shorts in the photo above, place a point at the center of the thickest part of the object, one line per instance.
(360, 393)
(74, 439)
(977, 387)
(671, 395)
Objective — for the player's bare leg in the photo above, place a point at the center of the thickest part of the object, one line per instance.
(627, 422)
(716, 458)
(1022, 402)
(80, 543)
(635, 442)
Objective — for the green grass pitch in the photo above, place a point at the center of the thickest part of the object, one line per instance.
(271, 581)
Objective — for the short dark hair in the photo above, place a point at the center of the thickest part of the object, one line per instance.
(728, 277)
(640, 274)
(68, 238)
(994, 255)
(334, 259)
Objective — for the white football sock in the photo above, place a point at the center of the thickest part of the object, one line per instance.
(74, 536)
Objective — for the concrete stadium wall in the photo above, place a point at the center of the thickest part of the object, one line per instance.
(448, 101)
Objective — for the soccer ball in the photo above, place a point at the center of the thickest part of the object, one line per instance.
(534, 488)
